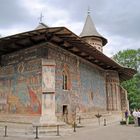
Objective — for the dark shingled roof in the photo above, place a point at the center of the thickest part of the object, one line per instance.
(67, 40)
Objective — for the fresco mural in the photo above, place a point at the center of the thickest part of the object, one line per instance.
(48, 91)
(27, 54)
(88, 83)
(48, 103)
(48, 78)
(20, 88)
(93, 85)
(65, 62)
(113, 91)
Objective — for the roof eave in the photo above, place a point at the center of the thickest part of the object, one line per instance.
(68, 41)
(104, 40)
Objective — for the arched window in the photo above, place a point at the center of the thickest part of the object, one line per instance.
(66, 78)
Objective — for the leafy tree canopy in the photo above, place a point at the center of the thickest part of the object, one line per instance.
(131, 59)
(128, 58)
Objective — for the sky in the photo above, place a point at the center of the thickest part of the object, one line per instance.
(116, 20)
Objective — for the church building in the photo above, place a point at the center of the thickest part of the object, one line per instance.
(51, 74)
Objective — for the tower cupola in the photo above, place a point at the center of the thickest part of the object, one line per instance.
(91, 35)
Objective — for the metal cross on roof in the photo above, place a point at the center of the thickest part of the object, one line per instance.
(89, 10)
(41, 18)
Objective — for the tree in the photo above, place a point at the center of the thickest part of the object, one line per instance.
(131, 59)
(128, 58)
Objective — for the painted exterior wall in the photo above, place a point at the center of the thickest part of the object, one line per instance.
(113, 91)
(87, 83)
(48, 92)
(93, 83)
(65, 62)
(27, 84)
(20, 83)
(20, 88)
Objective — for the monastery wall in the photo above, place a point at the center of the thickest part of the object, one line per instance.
(86, 87)
(25, 79)
(20, 83)
(113, 91)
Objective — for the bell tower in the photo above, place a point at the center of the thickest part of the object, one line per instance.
(91, 35)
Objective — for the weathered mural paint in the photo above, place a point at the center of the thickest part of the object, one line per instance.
(28, 54)
(34, 86)
(48, 77)
(93, 85)
(48, 89)
(113, 90)
(88, 83)
(20, 88)
(48, 103)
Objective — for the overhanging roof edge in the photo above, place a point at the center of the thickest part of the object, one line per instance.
(85, 45)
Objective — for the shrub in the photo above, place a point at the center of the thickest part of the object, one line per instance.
(122, 122)
(131, 121)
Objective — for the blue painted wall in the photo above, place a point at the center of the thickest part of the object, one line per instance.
(20, 84)
(88, 89)
(93, 88)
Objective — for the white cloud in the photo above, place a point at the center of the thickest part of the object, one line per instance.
(110, 22)
(51, 13)
(118, 43)
(75, 27)
(53, 16)
(33, 7)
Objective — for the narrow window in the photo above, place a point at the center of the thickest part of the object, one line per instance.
(66, 78)
(65, 81)
(92, 95)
